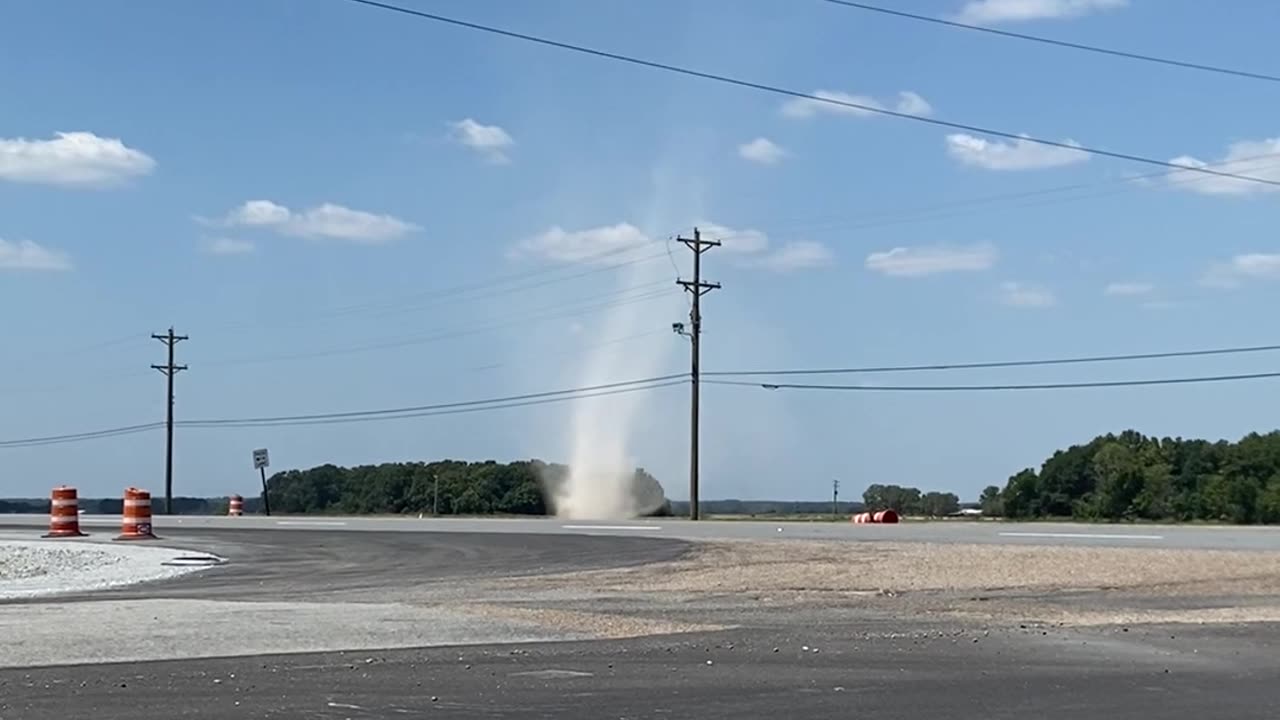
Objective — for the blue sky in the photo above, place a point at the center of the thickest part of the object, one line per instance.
(301, 185)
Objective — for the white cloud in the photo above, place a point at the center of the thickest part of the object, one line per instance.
(912, 104)
(71, 159)
(932, 260)
(908, 102)
(1011, 155)
(1128, 289)
(336, 221)
(259, 212)
(762, 150)
(600, 244)
(228, 246)
(1017, 294)
(1235, 271)
(980, 12)
(797, 255)
(490, 141)
(27, 255)
(1265, 157)
(745, 241)
(327, 220)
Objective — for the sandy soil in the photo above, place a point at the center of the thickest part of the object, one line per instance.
(1063, 585)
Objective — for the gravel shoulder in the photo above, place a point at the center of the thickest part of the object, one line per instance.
(290, 592)
(1050, 584)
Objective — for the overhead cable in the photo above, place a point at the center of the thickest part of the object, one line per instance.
(999, 388)
(1079, 360)
(1059, 43)
(778, 90)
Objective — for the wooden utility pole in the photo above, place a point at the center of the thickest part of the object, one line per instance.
(697, 288)
(169, 370)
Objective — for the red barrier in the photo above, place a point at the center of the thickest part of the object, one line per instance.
(235, 506)
(887, 517)
(64, 513)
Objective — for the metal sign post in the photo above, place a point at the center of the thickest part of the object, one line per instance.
(260, 462)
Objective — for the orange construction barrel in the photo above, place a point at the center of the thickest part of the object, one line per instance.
(137, 516)
(64, 513)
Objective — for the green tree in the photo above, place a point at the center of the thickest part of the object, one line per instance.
(939, 504)
(991, 502)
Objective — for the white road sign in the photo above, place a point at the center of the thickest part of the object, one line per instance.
(260, 459)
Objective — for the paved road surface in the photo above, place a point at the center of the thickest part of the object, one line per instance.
(960, 531)
(334, 582)
(1174, 674)
(310, 563)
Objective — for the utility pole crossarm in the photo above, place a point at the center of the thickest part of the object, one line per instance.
(697, 287)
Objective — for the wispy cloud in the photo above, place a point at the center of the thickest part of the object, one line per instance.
(1235, 271)
(762, 150)
(797, 255)
(27, 255)
(72, 159)
(1011, 155)
(735, 240)
(1253, 158)
(491, 141)
(907, 102)
(599, 244)
(227, 246)
(1023, 295)
(323, 221)
(1128, 289)
(932, 260)
(990, 12)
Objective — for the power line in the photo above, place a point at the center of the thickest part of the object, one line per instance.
(995, 388)
(465, 291)
(1001, 363)
(778, 90)
(1035, 198)
(578, 350)
(498, 403)
(1059, 43)
(569, 310)
(356, 414)
(82, 436)
(462, 410)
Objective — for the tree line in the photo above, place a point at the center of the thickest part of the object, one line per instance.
(1131, 476)
(446, 487)
(910, 501)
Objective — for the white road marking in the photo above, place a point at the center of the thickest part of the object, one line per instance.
(312, 523)
(611, 527)
(552, 674)
(1082, 536)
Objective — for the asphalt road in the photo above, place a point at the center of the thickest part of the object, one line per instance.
(267, 564)
(1170, 673)
(308, 584)
(959, 531)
